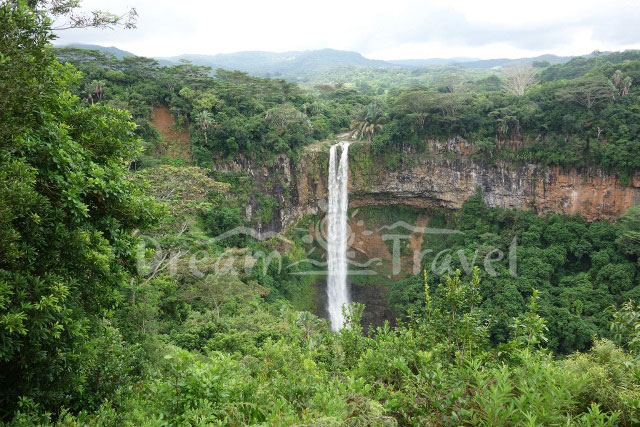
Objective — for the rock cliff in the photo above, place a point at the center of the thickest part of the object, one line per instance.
(444, 175)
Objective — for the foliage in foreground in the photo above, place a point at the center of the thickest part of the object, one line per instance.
(255, 362)
(67, 213)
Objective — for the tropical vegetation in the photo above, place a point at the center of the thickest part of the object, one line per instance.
(120, 304)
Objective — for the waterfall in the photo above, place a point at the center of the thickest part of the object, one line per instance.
(337, 290)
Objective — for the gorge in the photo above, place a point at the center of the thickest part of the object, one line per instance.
(436, 180)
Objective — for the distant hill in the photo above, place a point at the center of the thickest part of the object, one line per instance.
(430, 61)
(301, 64)
(479, 63)
(118, 53)
(505, 62)
(580, 65)
(292, 64)
(284, 64)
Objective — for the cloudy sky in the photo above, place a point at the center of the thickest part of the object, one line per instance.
(390, 29)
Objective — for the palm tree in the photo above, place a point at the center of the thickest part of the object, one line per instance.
(309, 324)
(622, 84)
(368, 122)
(205, 121)
(95, 90)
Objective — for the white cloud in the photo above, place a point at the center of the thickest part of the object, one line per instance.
(378, 29)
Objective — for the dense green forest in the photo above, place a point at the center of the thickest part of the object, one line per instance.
(103, 321)
(579, 269)
(580, 114)
(583, 113)
(229, 111)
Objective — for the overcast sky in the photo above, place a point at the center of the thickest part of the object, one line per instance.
(390, 29)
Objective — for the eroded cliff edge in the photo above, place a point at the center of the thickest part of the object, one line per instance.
(444, 175)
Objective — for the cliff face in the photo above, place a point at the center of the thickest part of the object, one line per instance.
(443, 176)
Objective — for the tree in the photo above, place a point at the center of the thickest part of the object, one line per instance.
(67, 11)
(451, 82)
(95, 91)
(289, 128)
(626, 326)
(529, 328)
(67, 213)
(629, 232)
(450, 104)
(285, 116)
(621, 83)
(204, 120)
(417, 103)
(518, 79)
(368, 122)
(23, 56)
(454, 315)
(507, 123)
(217, 289)
(587, 91)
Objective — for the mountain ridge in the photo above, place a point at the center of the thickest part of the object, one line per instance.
(118, 53)
(282, 63)
(300, 63)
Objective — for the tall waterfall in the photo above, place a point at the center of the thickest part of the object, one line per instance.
(337, 290)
